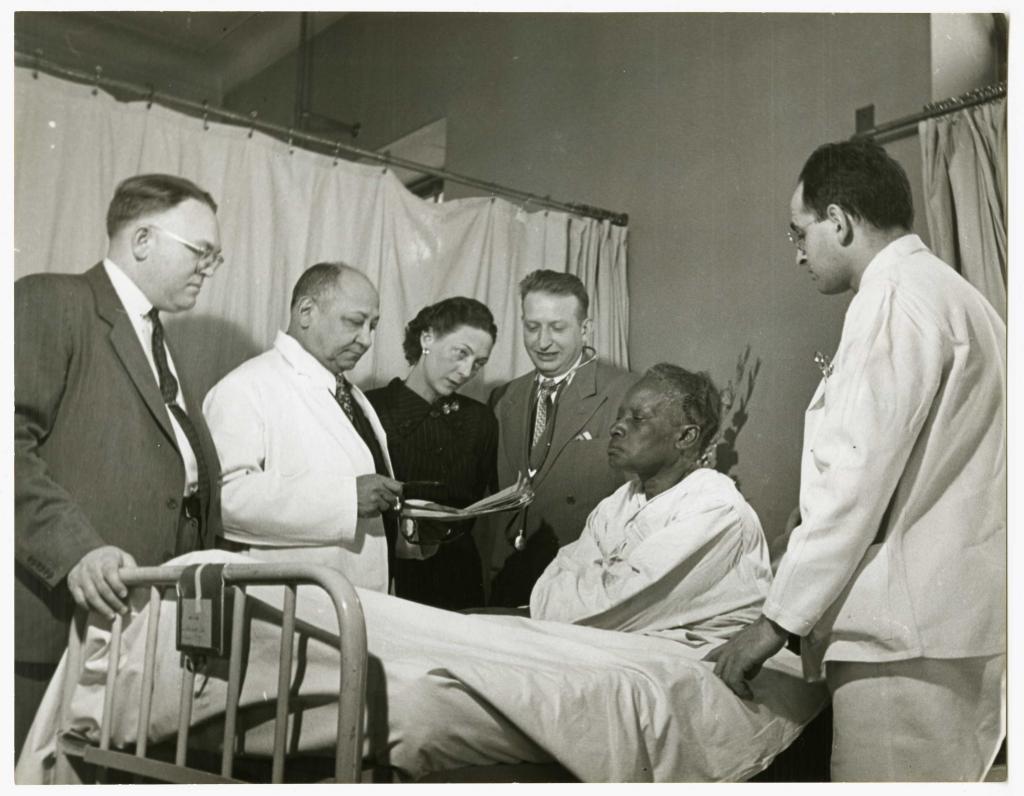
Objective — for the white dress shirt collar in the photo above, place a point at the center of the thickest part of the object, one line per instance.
(132, 298)
(304, 362)
(566, 377)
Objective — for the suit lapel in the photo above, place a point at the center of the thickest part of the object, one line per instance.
(515, 412)
(127, 347)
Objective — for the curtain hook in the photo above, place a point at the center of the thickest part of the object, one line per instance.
(387, 160)
(291, 148)
(206, 114)
(252, 124)
(37, 55)
(149, 96)
(96, 80)
(337, 149)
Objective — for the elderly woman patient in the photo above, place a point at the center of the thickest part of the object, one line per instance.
(675, 557)
(606, 677)
(676, 551)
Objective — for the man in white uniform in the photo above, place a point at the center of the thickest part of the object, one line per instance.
(896, 576)
(306, 474)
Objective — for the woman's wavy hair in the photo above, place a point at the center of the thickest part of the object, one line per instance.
(443, 317)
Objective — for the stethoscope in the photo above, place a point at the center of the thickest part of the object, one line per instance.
(585, 359)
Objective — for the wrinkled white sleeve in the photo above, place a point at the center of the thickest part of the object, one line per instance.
(259, 504)
(687, 557)
(892, 360)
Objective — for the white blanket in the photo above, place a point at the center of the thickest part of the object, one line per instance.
(447, 690)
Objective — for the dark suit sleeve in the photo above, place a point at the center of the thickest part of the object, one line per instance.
(496, 395)
(51, 531)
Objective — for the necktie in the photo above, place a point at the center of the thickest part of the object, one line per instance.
(169, 391)
(352, 410)
(544, 392)
(343, 395)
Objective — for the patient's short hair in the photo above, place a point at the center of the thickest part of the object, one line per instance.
(144, 194)
(695, 395)
(320, 279)
(558, 283)
(443, 317)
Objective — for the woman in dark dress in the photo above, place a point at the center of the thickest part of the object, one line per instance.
(449, 441)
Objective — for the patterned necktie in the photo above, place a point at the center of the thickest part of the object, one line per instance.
(544, 392)
(343, 395)
(169, 391)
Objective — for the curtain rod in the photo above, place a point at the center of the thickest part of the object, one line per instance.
(312, 143)
(940, 108)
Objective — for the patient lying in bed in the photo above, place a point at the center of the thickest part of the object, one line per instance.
(675, 558)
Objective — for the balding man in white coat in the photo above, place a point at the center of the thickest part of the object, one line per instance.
(306, 473)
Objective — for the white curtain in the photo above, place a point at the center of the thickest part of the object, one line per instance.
(964, 165)
(280, 211)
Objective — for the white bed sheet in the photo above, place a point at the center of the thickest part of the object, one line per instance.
(448, 689)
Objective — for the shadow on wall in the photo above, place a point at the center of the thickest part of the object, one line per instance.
(208, 347)
(735, 400)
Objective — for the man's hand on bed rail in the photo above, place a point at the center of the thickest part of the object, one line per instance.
(739, 659)
(95, 584)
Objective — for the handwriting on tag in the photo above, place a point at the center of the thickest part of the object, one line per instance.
(197, 623)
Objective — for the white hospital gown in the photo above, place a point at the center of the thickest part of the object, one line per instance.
(691, 564)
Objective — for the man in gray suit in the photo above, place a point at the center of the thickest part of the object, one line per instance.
(113, 465)
(553, 427)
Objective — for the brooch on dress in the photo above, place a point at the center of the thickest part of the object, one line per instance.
(451, 406)
(824, 362)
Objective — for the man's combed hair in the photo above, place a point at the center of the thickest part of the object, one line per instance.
(557, 283)
(860, 177)
(695, 394)
(144, 194)
(318, 280)
(443, 317)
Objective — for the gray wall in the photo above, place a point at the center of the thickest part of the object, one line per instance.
(694, 124)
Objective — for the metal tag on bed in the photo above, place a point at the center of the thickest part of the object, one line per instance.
(204, 611)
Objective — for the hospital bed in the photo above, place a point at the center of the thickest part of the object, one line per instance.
(100, 759)
(251, 714)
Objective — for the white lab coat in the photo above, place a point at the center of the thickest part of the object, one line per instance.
(289, 459)
(901, 549)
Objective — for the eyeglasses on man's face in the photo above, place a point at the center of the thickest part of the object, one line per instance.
(208, 259)
(798, 237)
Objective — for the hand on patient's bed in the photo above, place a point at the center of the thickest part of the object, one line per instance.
(739, 659)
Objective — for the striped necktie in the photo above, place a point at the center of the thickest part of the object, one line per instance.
(545, 391)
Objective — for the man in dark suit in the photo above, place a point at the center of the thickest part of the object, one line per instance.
(113, 464)
(553, 427)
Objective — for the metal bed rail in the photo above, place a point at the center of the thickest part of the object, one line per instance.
(350, 641)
